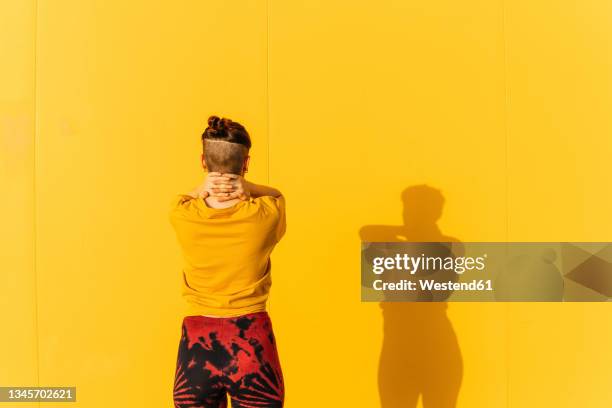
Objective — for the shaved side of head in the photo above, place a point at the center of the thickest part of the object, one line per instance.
(224, 157)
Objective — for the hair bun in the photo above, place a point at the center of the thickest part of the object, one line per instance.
(226, 129)
(217, 123)
(213, 121)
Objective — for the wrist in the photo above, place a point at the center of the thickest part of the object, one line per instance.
(247, 187)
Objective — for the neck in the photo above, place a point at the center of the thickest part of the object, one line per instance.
(213, 203)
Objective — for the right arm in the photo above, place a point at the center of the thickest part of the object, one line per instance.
(259, 190)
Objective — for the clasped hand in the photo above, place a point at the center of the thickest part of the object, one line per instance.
(223, 187)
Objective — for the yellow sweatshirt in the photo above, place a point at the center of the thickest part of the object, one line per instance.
(226, 252)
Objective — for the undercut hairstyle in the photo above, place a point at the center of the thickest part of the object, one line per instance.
(225, 144)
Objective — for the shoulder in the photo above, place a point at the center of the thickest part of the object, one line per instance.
(181, 203)
(271, 207)
(271, 202)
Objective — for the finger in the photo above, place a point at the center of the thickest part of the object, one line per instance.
(230, 175)
(220, 195)
(223, 189)
(220, 180)
(225, 198)
(229, 197)
(214, 173)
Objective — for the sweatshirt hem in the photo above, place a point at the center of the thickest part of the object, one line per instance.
(221, 312)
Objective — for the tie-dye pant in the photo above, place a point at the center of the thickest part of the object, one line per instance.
(235, 356)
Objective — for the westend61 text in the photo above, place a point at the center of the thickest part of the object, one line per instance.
(430, 284)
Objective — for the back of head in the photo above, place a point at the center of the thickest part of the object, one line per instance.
(226, 145)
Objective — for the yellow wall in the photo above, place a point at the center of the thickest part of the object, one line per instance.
(18, 347)
(501, 106)
(560, 144)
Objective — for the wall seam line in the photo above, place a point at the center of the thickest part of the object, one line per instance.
(34, 198)
(507, 192)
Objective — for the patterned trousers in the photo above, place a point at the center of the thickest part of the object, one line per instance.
(235, 356)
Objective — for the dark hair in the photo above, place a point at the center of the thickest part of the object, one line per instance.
(225, 157)
(227, 130)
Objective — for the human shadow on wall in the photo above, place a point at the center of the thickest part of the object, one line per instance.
(420, 355)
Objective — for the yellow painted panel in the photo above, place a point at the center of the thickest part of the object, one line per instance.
(369, 102)
(124, 92)
(560, 147)
(18, 346)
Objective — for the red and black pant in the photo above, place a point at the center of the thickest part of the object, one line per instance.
(235, 356)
